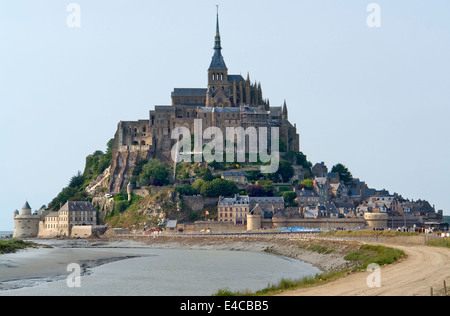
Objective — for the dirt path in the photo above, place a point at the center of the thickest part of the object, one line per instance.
(425, 267)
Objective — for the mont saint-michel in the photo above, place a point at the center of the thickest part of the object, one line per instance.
(138, 187)
(240, 151)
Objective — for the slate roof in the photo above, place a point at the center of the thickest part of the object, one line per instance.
(234, 174)
(267, 199)
(237, 200)
(217, 62)
(52, 214)
(306, 193)
(237, 78)
(76, 206)
(189, 92)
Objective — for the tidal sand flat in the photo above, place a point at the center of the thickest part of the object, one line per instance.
(142, 270)
(32, 267)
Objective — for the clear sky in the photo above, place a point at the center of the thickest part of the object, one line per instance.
(374, 99)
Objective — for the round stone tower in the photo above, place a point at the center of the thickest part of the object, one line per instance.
(376, 220)
(254, 218)
(254, 222)
(26, 225)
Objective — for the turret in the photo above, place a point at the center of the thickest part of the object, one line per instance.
(284, 115)
(26, 209)
(16, 213)
(129, 190)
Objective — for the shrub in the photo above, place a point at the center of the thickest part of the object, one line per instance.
(186, 189)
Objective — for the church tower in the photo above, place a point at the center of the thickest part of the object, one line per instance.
(218, 94)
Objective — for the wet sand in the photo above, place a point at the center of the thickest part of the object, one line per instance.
(33, 266)
(36, 265)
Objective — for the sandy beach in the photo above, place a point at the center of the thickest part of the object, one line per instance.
(34, 266)
(423, 268)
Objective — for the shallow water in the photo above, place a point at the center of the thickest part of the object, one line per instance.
(169, 272)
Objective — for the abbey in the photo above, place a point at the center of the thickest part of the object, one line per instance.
(227, 101)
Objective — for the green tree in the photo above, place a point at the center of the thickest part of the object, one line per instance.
(207, 175)
(285, 170)
(302, 160)
(208, 190)
(224, 187)
(186, 189)
(77, 180)
(308, 184)
(298, 158)
(197, 185)
(253, 175)
(155, 172)
(344, 174)
(289, 197)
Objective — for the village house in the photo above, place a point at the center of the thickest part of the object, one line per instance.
(322, 188)
(306, 198)
(75, 219)
(234, 209)
(237, 208)
(72, 214)
(321, 210)
(383, 204)
(319, 169)
(339, 192)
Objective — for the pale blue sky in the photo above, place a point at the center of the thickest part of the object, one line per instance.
(375, 99)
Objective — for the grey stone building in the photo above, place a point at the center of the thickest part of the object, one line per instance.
(227, 101)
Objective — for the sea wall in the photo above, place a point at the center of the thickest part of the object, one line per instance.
(199, 202)
(321, 223)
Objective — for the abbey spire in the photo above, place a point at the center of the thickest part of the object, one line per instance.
(217, 61)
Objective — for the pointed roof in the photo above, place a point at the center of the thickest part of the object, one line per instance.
(26, 206)
(285, 111)
(217, 62)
